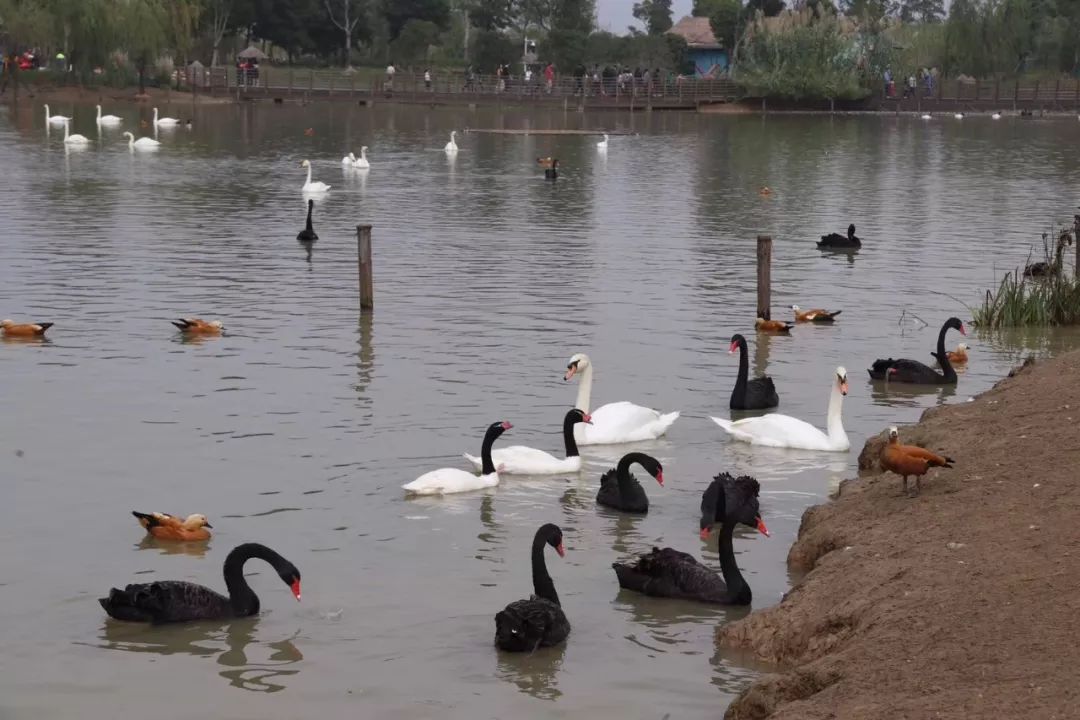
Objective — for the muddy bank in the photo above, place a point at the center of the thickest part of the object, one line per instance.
(110, 95)
(959, 603)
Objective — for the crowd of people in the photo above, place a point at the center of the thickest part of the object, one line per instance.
(923, 77)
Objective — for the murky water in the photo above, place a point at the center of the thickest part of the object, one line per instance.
(298, 428)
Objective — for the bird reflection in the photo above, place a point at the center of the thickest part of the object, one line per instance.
(534, 673)
(840, 253)
(202, 640)
(624, 531)
(196, 548)
(28, 340)
(761, 353)
(894, 394)
(308, 246)
(365, 362)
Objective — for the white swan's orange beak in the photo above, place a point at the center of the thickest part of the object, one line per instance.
(295, 587)
(761, 527)
(561, 550)
(570, 370)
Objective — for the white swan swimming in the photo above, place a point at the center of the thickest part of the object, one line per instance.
(452, 480)
(451, 147)
(74, 139)
(107, 119)
(925, 116)
(165, 121)
(349, 160)
(618, 422)
(959, 116)
(312, 187)
(784, 431)
(522, 460)
(55, 119)
(995, 116)
(362, 162)
(602, 145)
(143, 143)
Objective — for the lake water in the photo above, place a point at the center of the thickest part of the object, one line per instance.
(298, 428)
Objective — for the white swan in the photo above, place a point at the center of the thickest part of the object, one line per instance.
(618, 422)
(55, 119)
(452, 480)
(451, 147)
(143, 143)
(602, 145)
(995, 116)
(522, 460)
(959, 116)
(784, 431)
(165, 121)
(925, 116)
(362, 163)
(349, 160)
(74, 139)
(312, 187)
(107, 119)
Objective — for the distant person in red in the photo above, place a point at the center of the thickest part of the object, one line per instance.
(549, 77)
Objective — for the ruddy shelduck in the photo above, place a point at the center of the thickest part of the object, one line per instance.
(197, 326)
(778, 326)
(167, 527)
(815, 315)
(959, 355)
(14, 329)
(905, 460)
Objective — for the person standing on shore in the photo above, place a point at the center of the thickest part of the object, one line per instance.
(427, 79)
(390, 72)
(549, 77)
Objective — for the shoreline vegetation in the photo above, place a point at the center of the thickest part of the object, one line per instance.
(952, 604)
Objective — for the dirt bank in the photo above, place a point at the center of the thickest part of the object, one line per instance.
(960, 603)
(110, 95)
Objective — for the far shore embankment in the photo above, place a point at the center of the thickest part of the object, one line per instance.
(958, 603)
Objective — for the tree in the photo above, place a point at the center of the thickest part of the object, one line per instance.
(491, 14)
(703, 8)
(146, 33)
(725, 21)
(346, 15)
(655, 14)
(768, 8)
(491, 49)
(398, 12)
(416, 37)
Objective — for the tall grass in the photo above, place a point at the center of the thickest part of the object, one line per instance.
(1022, 301)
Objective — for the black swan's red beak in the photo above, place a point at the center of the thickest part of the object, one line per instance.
(705, 533)
(295, 587)
(561, 550)
(660, 478)
(761, 527)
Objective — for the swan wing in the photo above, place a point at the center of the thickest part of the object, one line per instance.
(775, 430)
(622, 422)
(165, 601)
(522, 460)
(446, 481)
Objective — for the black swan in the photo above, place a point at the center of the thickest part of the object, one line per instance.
(525, 625)
(674, 574)
(308, 234)
(1044, 269)
(756, 394)
(620, 490)
(836, 240)
(175, 601)
(552, 173)
(915, 372)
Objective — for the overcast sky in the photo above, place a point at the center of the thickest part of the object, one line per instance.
(615, 15)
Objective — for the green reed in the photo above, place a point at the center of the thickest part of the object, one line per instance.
(1021, 301)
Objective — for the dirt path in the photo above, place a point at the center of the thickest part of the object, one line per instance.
(961, 603)
(76, 94)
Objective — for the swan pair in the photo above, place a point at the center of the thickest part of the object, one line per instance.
(312, 187)
(356, 163)
(784, 431)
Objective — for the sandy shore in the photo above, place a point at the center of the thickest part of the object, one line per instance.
(960, 603)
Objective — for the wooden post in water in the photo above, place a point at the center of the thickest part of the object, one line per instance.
(764, 276)
(363, 247)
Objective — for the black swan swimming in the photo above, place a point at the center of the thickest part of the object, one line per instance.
(756, 394)
(167, 601)
(843, 242)
(674, 574)
(552, 173)
(915, 372)
(620, 490)
(1045, 269)
(525, 625)
(308, 235)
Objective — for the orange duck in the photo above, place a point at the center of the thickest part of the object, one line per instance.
(166, 527)
(778, 326)
(817, 315)
(959, 355)
(905, 460)
(544, 162)
(14, 329)
(197, 326)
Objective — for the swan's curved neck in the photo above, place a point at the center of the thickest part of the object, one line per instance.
(943, 358)
(363, 153)
(155, 116)
(584, 392)
(98, 112)
(487, 466)
(309, 208)
(736, 584)
(568, 436)
(308, 175)
(243, 599)
(622, 470)
(744, 371)
(543, 586)
(834, 424)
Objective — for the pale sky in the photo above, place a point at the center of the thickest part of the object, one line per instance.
(614, 15)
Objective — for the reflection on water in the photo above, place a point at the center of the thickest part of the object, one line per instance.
(534, 673)
(894, 394)
(252, 665)
(196, 548)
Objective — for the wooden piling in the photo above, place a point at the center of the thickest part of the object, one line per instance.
(764, 276)
(367, 286)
